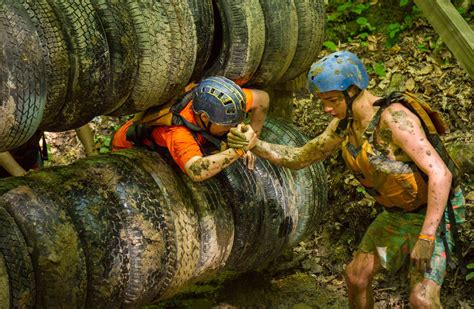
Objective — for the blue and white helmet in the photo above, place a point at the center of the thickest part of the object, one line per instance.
(337, 71)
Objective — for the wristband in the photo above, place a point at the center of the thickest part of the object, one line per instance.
(430, 238)
(240, 152)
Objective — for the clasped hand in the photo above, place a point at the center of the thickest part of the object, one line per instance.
(242, 137)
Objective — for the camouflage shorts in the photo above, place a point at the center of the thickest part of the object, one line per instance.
(392, 236)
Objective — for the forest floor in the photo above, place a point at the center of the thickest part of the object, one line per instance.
(309, 275)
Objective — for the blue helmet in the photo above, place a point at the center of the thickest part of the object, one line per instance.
(221, 99)
(337, 71)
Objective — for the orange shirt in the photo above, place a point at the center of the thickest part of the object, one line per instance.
(178, 139)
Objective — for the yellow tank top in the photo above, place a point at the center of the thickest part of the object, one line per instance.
(394, 184)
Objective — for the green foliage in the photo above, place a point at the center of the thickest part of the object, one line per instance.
(355, 22)
(330, 45)
(470, 276)
(379, 69)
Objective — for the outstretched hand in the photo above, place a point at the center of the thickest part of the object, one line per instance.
(242, 137)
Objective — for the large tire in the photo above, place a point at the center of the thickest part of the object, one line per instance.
(216, 223)
(22, 78)
(4, 283)
(176, 220)
(123, 47)
(100, 222)
(90, 64)
(57, 255)
(56, 57)
(310, 185)
(203, 13)
(281, 38)
(246, 197)
(311, 27)
(241, 44)
(167, 52)
(17, 261)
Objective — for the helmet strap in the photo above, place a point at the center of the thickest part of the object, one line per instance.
(345, 124)
(349, 101)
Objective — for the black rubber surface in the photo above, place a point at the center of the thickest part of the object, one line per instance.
(17, 262)
(239, 48)
(281, 37)
(311, 27)
(57, 255)
(55, 57)
(89, 59)
(22, 79)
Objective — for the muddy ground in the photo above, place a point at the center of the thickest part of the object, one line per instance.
(309, 275)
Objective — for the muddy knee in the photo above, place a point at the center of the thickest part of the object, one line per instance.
(357, 277)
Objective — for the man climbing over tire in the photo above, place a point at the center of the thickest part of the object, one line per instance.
(193, 127)
(392, 146)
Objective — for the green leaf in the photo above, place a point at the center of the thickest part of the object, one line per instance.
(404, 2)
(344, 6)
(470, 276)
(330, 45)
(334, 16)
(379, 69)
(363, 35)
(107, 141)
(423, 48)
(470, 266)
(104, 150)
(359, 8)
(362, 21)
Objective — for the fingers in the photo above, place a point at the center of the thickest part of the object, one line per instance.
(237, 134)
(251, 161)
(236, 145)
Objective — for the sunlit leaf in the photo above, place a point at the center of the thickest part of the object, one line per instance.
(330, 45)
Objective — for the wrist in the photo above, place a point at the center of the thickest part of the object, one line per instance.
(240, 152)
(427, 237)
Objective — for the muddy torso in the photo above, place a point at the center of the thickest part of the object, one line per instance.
(382, 168)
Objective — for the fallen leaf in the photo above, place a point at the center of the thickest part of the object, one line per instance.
(410, 84)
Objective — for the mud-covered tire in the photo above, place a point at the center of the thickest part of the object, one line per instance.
(311, 27)
(167, 52)
(22, 78)
(203, 14)
(17, 262)
(310, 185)
(122, 40)
(281, 37)
(240, 47)
(216, 223)
(57, 255)
(89, 61)
(55, 57)
(99, 221)
(175, 218)
(4, 283)
(246, 197)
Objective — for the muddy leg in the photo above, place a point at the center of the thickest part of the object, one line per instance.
(359, 275)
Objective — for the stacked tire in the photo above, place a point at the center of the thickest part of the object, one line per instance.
(101, 57)
(129, 228)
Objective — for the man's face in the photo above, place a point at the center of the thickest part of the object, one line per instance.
(334, 103)
(220, 130)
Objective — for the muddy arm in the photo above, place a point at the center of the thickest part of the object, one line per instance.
(299, 157)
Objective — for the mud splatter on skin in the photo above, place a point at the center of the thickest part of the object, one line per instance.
(404, 124)
(198, 168)
(428, 153)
